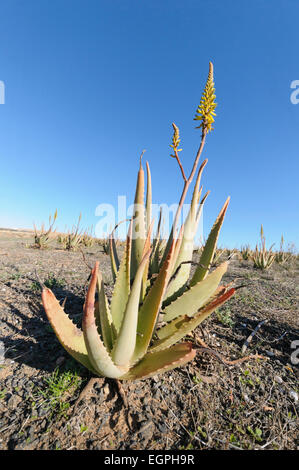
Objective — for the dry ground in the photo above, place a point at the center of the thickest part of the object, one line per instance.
(207, 404)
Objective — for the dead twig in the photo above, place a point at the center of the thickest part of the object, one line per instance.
(84, 258)
(39, 280)
(226, 361)
(249, 339)
(205, 348)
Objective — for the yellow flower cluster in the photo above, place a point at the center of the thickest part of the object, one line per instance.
(175, 139)
(205, 111)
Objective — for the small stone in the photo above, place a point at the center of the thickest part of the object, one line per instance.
(31, 431)
(106, 390)
(293, 395)
(145, 425)
(42, 411)
(162, 428)
(270, 353)
(56, 445)
(14, 401)
(278, 379)
(2, 352)
(98, 386)
(14, 383)
(43, 424)
(146, 431)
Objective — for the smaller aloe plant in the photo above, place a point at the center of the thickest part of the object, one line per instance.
(42, 237)
(263, 258)
(229, 253)
(246, 252)
(73, 239)
(104, 244)
(87, 239)
(219, 253)
(282, 256)
(62, 240)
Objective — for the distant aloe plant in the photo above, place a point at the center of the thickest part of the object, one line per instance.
(283, 256)
(87, 239)
(104, 244)
(42, 237)
(219, 253)
(245, 252)
(263, 258)
(124, 339)
(73, 238)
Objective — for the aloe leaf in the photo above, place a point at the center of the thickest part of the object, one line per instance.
(147, 246)
(97, 353)
(209, 248)
(113, 256)
(68, 334)
(196, 297)
(176, 251)
(125, 344)
(148, 197)
(122, 285)
(162, 361)
(154, 261)
(183, 263)
(149, 310)
(103, 315)
(184, 325)
(138, 228)
(199, 212)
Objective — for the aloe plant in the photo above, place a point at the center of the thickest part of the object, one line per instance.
(283, 256)
(219, 253)
(263, 258)
(104, 244)
(74, 238)
(245, 252)
(87, 239)
(42, 237)
(154, 304)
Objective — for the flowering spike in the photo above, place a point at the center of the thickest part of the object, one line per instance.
(206, 109)
(175, 139)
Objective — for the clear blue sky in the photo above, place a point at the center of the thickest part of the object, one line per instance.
(89, 84)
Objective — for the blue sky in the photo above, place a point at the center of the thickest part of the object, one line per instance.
(89, 84)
